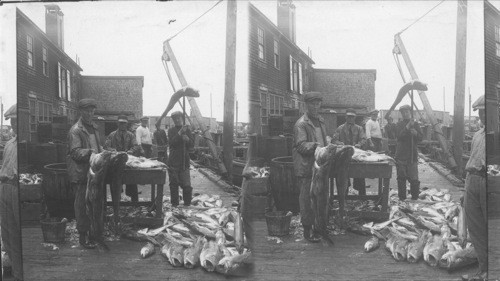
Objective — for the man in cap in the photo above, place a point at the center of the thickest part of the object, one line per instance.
(390, 134)
(309, 132)
(408, 134)
(373, 132)
(124, 140)
(10, 223)
(350, 133)
(83, 141)
(161, 140)
(143, 136)
(475, 200)
(180, 141)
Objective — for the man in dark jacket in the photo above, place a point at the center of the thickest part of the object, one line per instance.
(83, 140)
(124, 140)
(10, 222)
(309, 132)
(181, 140)
(408, 135)
(390, 134)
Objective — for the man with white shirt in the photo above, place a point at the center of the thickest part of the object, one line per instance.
(143, 136)
(373, 132)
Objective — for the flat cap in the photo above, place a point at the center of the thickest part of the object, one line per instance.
(176, 113)
(310, 96)
(404, 107)
(11, 112)
(144, 118)
(350, 112)
(123, 118)
(84, 103)
(479, 103)
(375, 111)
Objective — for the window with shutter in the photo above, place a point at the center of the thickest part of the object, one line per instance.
(45, 62)
(29, 48)
(59, 79)
(291, 73)
(497, 39)
(260, 38)
(300, 78)
(276, 54)
(68, 75)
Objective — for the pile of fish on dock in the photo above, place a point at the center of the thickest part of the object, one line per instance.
(432, 229)
(198, 235)
(493, 170)
(143, 163)
(28, 179)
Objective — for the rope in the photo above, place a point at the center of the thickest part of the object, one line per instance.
(194, 20)
(398, 64)
(421, 17)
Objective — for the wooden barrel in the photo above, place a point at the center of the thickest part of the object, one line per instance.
(57, 192)
(45, 154)
(62, 152)
(276, 147)
(283, 184)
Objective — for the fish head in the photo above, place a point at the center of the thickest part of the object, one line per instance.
(177, 256)
(191, 258)
(323, 154)
(401, 249)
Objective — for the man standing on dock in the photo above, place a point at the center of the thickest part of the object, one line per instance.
(475, 196)
(143, 136)
(9, 201)
(83, 140)
(181, 140)
(309, 132)
(350, 133)
(161, 141)
(408, 135)
(373, 132)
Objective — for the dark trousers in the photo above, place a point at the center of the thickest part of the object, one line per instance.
(131, 190)
(82, 218)
(162, 156)
(476, 217)
(11, 226)
(147, 150)
(359, 185)
(180, 178)
(377, 144)
(407, 171)
(306, 212)
(247, 214)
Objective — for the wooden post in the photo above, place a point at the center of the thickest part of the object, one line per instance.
(425, 102)
(459, 101)
(227, 135)
(199, 122)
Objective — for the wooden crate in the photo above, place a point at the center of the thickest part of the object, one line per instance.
(30, 212)
(30, 192)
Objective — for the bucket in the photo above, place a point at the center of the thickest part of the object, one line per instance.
(57, 192)
(278, 224)
(53, 230)
(284, 185)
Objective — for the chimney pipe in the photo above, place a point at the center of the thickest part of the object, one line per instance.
(54, 24)
(286, 18)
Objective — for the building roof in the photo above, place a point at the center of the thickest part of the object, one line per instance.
(374, 71)
(54, 46)
(286, 39)
(493, 8)
(114, 78)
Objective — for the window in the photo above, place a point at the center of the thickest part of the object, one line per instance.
(275, 105)
(295, 76)
(260, 35)
(29, 48)
(44, 112)
(264, 114)
(33, 119)
(276, 54)
(45, 66)
(64, 83)
(497, 40)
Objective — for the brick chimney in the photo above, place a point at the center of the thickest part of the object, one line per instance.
(54, 24)
(286, 18)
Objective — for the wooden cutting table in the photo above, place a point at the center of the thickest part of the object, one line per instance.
(370, 170)
(155, 177)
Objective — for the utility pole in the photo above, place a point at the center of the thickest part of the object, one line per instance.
(227, 135)
(1, 117)
(469, 110)
(210, 123)
(459, 100)
(444, 104)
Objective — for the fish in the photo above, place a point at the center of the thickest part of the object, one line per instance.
(200, 198)
(154, 232)
(442, 206)
(238, 233)
(445, 232)
(218, 203)
(134, 236)
(143, 163)
(224, 218)
(433, 213)
(147, 250)
(462, 227)
(370, 156)
(229, 264)
(164, 238)
(458, 258)
(359, 229)
(174, 234)
(416, 248)
(207, 219)
(435, 250)
(447, 197)
(408, 224)
(200, 230)
(213, 211)
(427, 192)
(192, 254)
(220, 237)
(180, 228)
(210, 256)
(382, 225)
(404, 233)
(436, 198)
(229, 232)
(174, 252)
(451, 212)
(401, 249)
(428, 224)
(372, 244)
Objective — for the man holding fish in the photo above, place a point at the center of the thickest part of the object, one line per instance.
(309, 132)
(475, 196)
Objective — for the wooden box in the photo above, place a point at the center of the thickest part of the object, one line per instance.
(30, 212)
(30, 192)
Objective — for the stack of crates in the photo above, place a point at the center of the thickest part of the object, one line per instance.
(30, 203)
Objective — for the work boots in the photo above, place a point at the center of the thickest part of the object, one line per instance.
(309, 235)
(414, 189)
(83, 241)
(174, 196)
(402, 189)
(187, 195)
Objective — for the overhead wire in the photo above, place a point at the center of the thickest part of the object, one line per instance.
(195, 20)
(421, 17)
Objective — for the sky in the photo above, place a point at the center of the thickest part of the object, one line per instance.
(126, 39)
(360, 35)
